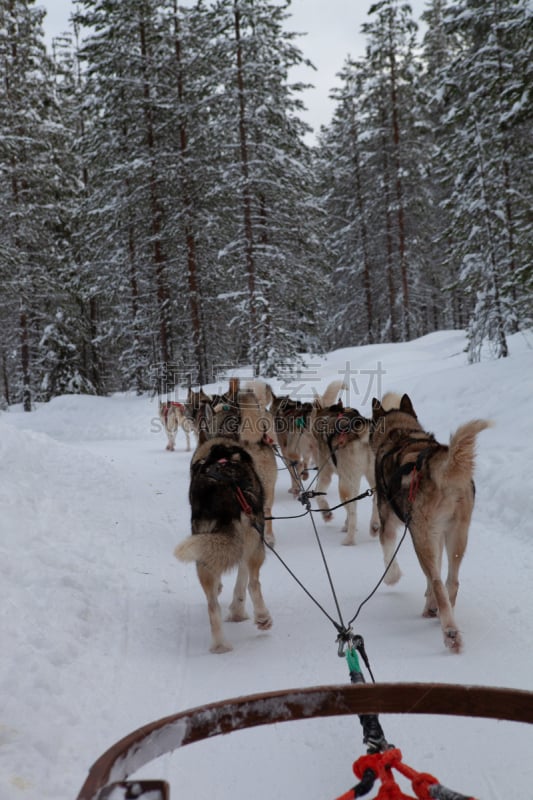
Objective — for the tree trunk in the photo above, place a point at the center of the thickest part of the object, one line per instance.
(246, 192)
(388, 233)
(25, 358)
(399, 191)
(190, 239)
(162, 294)
(364, 237)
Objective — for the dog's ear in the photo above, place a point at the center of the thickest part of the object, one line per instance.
(377, 410)
(407, 407)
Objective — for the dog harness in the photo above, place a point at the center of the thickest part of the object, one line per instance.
(166, 408)
(346, 427)
(392, 489)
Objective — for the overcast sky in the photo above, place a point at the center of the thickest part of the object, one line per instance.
(332, 29)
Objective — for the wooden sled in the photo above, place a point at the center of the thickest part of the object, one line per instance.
(109, 775)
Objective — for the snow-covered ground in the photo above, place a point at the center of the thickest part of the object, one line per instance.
(103, 630)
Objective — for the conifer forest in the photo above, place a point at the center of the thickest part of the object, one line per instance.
(163, 212)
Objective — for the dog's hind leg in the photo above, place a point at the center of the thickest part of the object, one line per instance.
(347, 491)
(456, 540)
(374, 519)
(237, 610)
(387, 538)
(171, 431)
(325, 475)
(428, 549)
(210, 583)
(262, 617)
(187, 427)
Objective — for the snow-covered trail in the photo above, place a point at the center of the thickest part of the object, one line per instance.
(107, 631)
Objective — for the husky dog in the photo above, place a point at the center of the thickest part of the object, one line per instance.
(428, 486)
(233, 476)
(227, 519)
(343, 443)
(239, 417)
(196, 403)
(174, 416)
(295, 439)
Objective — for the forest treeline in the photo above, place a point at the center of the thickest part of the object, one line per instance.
(164, 217)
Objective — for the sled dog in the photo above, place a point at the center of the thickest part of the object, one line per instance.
(196, 402)
(174, 416)
(295, 439)
(239, 417)
(343, 446)
(227, 517)
(428, 486)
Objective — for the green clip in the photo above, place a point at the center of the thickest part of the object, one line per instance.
(353, 659)
(300, 422)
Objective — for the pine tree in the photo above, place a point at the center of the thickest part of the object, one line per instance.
(378, 193)
(30, 219)
(346, 212)
(486, 117)
(262, 186)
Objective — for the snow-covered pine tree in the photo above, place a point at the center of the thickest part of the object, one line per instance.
(67, 355)
(452, 306)
(30, 197)
(267, 263)
(344, 181)
(124, 243)
(378, 194)
(487, 141)
(392, 72)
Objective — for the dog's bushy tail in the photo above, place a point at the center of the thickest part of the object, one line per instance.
(391, 400)
(262, 391)
(331, 394)
(216, 551)
(458, 464)
(254, 421)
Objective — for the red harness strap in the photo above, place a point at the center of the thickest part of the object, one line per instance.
(243, 502)
(165, 408)
(415, 483)
(382, 764)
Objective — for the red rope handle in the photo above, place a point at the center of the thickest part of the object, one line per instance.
(382, 764)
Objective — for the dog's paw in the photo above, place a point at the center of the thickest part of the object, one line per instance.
(374, 528)
(453, 640)
(305, 475)
(270, 539)
(264, 623)
(393, 575)
(237, 616)
(327, 516)
(349, 540)
(430, 613)
(220, 647)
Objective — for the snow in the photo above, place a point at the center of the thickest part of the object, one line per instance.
(104, 631)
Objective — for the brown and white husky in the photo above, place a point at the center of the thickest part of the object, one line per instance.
(174, 416)
(227, 517)
(428, 486)
(233, 476)
(343, 442)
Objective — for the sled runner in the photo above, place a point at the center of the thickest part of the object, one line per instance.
(109, 777)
